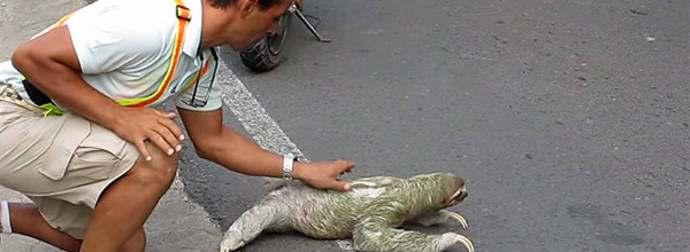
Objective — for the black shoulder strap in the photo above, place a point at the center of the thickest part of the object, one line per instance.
(38, 97)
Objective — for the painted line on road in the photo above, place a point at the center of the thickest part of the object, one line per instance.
(253, 117)
(256, 121)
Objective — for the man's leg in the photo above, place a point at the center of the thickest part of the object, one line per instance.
(127, 203)
(26, 220)
(135, 244)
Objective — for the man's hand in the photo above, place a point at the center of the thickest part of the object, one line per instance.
(137, 125)
(323, 174)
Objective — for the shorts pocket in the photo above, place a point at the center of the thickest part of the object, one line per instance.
(66, 141)
(97, 157)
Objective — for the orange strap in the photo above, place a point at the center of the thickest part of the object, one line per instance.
(62, 20)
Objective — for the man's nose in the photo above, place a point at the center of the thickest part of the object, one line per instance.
(273, 29)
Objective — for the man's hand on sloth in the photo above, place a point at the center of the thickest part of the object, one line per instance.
(324, 174)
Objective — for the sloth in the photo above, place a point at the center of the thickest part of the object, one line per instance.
(369, 213)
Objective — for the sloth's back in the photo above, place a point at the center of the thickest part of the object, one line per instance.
(326, 214)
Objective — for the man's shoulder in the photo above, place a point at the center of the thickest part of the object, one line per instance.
(133, 14)
(110, 20)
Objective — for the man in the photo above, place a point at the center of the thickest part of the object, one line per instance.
(79, 136)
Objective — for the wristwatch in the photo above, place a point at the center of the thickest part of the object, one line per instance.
(288, 161)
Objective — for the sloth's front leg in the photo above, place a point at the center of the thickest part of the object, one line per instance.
(375, 232)
(439, 217)
(449, 239)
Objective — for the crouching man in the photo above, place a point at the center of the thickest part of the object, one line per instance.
(80, 137)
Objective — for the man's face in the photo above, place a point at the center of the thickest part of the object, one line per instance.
(257, 23)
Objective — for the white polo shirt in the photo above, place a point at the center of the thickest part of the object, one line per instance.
(125, 48)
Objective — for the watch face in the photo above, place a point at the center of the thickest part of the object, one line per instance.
(287, 175)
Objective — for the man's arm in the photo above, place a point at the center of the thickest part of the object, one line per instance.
(227, 147)
(51, 64)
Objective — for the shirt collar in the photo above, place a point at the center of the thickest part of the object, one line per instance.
(192, 37)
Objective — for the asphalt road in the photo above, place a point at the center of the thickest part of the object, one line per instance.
(568, 119)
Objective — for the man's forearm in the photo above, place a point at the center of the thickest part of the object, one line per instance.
(237, 153)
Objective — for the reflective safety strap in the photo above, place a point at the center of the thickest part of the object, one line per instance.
(50, 109)
(184, 15)
(62, 20)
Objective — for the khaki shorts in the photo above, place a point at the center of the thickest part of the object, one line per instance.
(62, 163)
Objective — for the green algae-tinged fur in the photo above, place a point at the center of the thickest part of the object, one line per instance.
(369, 213)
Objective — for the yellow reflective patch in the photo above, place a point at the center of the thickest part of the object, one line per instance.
(51, 109)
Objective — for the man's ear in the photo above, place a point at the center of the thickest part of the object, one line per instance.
(248, 6)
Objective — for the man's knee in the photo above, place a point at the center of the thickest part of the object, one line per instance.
(159, 171)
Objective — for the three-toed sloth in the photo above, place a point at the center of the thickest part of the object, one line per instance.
(369, 213)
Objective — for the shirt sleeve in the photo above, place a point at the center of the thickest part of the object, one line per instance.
(207, 96)
(115, 38)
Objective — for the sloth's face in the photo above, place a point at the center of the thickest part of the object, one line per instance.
(441, 189)
(460, 193)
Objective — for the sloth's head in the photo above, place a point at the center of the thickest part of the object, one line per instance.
(439, 189)
(459, 194)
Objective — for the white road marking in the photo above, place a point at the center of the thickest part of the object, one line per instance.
(256, 121)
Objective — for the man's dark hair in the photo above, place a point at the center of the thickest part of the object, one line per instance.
(263, 4)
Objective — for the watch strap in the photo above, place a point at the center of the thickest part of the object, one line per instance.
(288, 162)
